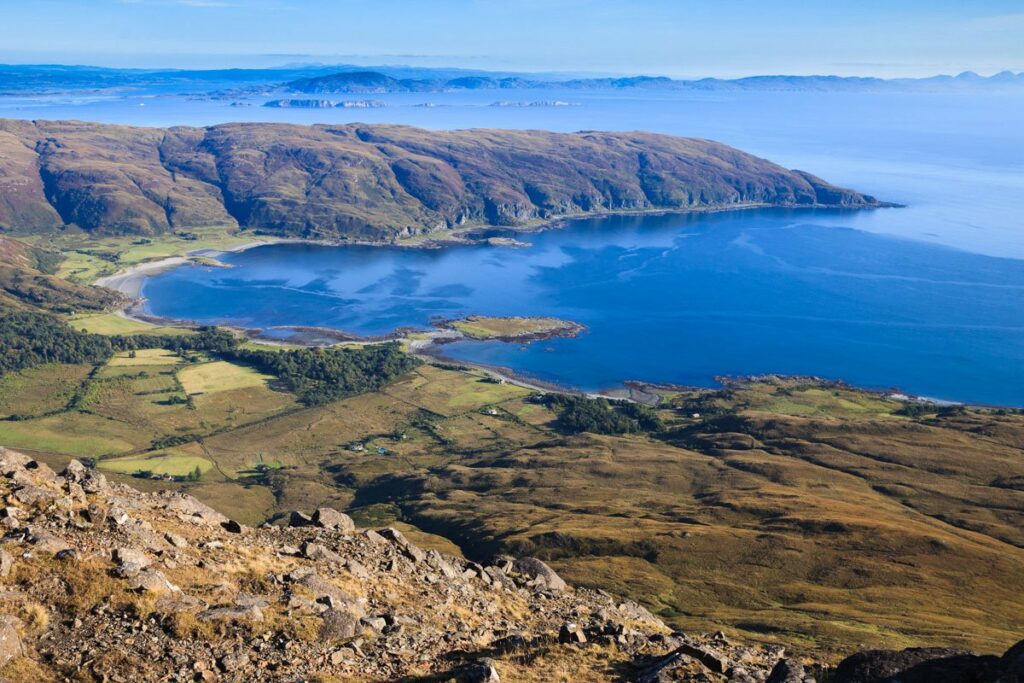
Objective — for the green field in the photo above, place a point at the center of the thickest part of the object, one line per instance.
(160, 463)
(90, 257)
(208, 378)
(144, 357)
(73, 433)
(112, 323)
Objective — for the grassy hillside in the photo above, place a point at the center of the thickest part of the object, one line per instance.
(28, 282)
(366, 182)
(814, 515)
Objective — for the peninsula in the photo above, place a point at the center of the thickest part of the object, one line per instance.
(369, 182)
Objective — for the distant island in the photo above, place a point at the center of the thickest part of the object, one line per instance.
(325, 104)
(370, 183)
(535, 103)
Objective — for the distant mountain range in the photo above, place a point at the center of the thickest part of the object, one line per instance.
(341, 79)
(379, 82)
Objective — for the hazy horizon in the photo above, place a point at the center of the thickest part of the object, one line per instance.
(680, 39)
(384, 62)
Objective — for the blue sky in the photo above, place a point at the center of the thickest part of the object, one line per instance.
(673, 37)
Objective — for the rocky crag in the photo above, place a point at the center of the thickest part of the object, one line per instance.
(369, 182)
(104, 583)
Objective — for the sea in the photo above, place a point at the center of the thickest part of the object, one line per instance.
(926, 299)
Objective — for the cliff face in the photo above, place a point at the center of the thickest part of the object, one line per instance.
(368, 182)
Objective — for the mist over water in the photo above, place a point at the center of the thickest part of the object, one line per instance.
(926, 298)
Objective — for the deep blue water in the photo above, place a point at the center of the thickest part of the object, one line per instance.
(673, 298)
(926, 298)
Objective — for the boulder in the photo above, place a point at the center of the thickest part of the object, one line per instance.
(338, 624)
(408, 549)
(709, 657)
(299, 519)
(189, 507)
(479, 671)
(90, 480)
(131, 556)
(571, 634)
(789, 671)
(44, 541)
(232, 662)
(329, 518)
(1012, 665)
(232, 527)
(175, 540)
(6, 562)
(540, 575)
(75, 471)
(315, 551)
(913, 665)
(10, 642)
(117, 517)
(326, 593)
(30, 494)
(153, 582)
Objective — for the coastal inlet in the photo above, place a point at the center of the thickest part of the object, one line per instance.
(676, 299)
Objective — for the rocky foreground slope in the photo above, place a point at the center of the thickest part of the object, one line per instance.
(102, 582)
(368, 182)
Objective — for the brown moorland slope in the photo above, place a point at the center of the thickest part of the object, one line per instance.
(105, 583)
(27, 282)
(368, 181)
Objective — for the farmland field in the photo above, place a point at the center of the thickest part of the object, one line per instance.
(145, 357)
(160, 463)
(112, 323)
(208, 378)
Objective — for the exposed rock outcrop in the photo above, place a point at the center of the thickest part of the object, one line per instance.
(186, 595)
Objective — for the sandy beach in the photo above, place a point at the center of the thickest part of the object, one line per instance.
(129, 282)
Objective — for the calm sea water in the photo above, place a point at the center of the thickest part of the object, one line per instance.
(673, 299)
(926, 298)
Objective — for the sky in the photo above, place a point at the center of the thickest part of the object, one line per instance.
(681, 38)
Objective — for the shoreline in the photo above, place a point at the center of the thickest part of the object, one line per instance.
(428, 343)
(130, 281)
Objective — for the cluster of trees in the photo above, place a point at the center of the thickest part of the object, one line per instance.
(318, 376)
(600, 416)
(29, 338)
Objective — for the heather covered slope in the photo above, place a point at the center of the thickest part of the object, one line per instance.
(27, 282)
(368, 182)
